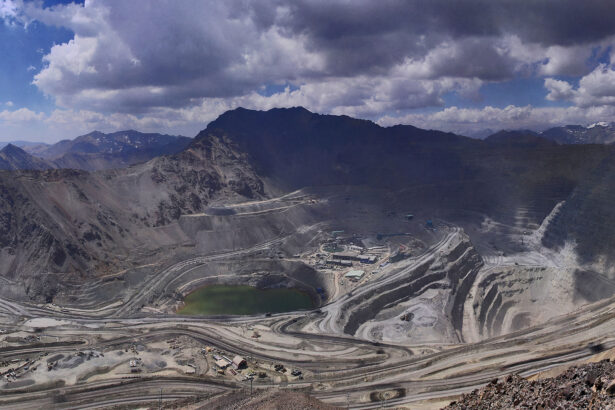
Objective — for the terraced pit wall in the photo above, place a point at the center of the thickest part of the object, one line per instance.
(453, 272)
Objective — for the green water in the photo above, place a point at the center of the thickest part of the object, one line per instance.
(243, 300)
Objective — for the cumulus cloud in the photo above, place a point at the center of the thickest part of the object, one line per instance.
(179, 64)
(66, 123)
(558, 90)
(572, 61)
(471, 120)
(8, 11)
(19, 116)
(133, 57)
(595, 89)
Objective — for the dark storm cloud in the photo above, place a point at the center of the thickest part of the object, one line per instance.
(371, 35)
(562, 22)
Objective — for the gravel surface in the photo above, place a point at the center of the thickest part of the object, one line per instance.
(265, 400)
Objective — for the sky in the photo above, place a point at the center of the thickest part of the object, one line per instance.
(173, 66)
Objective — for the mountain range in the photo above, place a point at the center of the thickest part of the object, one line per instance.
(93, 151)
(13, 158)
(98, 151)
(74, 224)
(598, 133)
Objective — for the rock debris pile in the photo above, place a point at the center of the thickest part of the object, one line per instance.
(590, 386)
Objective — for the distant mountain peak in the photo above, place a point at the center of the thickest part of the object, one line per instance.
(600, 124)
(297, 108)
(522, 137)
(14, 151)
(98, 150)
(12, 158)
(11, 148)
(597, 133)
(280, 117)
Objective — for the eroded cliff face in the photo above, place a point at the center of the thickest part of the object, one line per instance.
(210, 169)
(505, 299)
(586, 220)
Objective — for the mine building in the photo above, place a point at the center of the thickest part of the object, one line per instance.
(345, 256)
(367, 258)
(239, 362)
(339, 262)
(222, 364)
(354, 274)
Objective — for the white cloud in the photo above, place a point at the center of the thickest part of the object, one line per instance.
(8, 11)
(471, 120)
(20, 116)
(132, 57)
(175, 66)
(572, 61)
(165, 55)
(474, 57)
(595, 89)
(68, 123)
(9, 103)
(558, 90)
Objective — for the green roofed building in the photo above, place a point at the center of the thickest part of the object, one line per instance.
(354, 274)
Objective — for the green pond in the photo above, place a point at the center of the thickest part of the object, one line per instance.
(243, 300)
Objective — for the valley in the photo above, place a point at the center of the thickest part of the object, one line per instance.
(176, 353)
(433, 263)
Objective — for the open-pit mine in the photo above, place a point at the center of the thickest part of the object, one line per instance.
(404, 268)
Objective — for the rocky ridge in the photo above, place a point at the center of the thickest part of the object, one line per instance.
(77, 224)
(589, 386)
(88, 224)
(93, 151)
(15, 158)
(598, 133)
